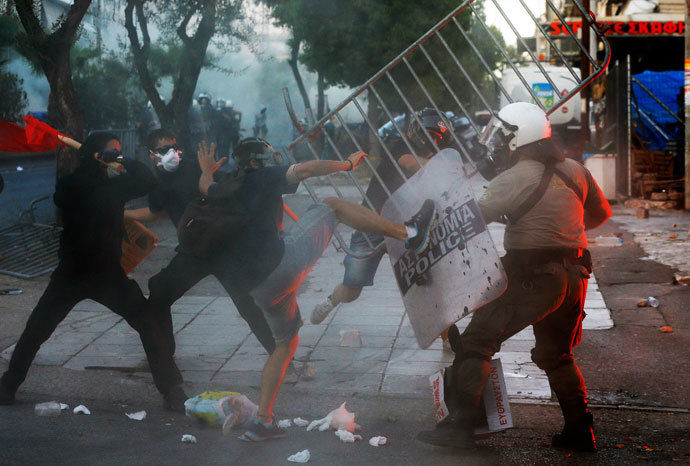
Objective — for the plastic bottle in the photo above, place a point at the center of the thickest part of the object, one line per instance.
(653, 301)
(49, 408)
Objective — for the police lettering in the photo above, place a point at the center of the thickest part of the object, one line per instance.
(450, 234)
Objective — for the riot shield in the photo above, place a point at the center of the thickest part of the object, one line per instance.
(460, 271)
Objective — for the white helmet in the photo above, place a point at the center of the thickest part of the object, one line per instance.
(516, 125)
(525, 122)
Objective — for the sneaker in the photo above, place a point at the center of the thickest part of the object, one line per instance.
(6, 396)
(322, 310)
(174, 399)
(257, 432)
(424, 221)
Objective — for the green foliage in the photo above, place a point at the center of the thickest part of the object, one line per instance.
(106, 85)
(348, 41)
(13, 101)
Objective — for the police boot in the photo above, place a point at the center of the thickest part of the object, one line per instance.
(456, 430)
(578, 433)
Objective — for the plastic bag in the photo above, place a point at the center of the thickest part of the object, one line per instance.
(222, 409)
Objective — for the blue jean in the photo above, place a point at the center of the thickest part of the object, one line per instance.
(277, 294)
(361, 272)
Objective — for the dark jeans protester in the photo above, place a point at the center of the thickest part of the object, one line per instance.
(182, 273)
(112, 289)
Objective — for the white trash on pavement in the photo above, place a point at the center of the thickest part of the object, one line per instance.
(81, 409)
(188, 438)
(49, 409)
(339, 418)
(298, 421)
(138, 416)
(284, 424)
(378, 441)
(64, 406)
(300, 457)
(346, 436)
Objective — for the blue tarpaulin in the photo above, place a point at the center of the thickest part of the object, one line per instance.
(667, 86)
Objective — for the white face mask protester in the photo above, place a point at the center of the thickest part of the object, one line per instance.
(169, 161)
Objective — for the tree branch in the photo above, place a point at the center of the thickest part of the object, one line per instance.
(141, 52)
(182, 28)
(68, 28)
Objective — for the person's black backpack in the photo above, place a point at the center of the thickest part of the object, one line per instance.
(209, 221)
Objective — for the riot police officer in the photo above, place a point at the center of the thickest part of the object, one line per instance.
(549, 202)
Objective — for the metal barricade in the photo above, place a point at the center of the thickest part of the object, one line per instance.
(456, 63)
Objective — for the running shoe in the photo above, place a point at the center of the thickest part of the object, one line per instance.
(424, 221)
(257, 432)
(322, 310)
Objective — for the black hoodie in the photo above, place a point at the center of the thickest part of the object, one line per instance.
(92, 208)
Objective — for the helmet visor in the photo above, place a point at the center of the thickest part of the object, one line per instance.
(496, 134)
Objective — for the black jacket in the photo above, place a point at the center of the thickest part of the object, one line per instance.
(92, 208)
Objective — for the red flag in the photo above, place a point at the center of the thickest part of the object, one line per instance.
(36, 136)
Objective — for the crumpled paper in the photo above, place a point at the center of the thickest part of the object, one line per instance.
(64, 406)
(81, 409)
(298, 421)
(347, 437)
(188, 438)
(284, 424)
(138, 416)
(300, 457)
(339, 418)
(377, 441)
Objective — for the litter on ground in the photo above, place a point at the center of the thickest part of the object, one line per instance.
(300, 457)
(347, 437)
(188, 438)
(298, 421)
(81, 409)
(284, 424)
(339, 418)
(378, 441)
(138, 416)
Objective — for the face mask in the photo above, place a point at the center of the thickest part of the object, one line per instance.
(112, 173)
(170, 160)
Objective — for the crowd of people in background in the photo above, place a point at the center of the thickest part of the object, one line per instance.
(216, 122)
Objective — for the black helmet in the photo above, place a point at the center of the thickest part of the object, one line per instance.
(434, 125)
(255, 149)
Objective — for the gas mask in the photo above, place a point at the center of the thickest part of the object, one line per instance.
(494, 143)
(169, 160)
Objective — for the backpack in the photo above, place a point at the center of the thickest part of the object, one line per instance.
(209, 221)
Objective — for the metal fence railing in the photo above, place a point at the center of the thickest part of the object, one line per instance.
(455, 66)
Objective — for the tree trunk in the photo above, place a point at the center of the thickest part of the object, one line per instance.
(68, 116)
(294, 66)
(53, 51)
(320, 97)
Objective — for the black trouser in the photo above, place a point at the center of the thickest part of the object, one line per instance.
(183, 272)
(112, 289)
(547, 292)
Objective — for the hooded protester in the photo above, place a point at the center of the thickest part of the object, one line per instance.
(178, 186)
(91, 201)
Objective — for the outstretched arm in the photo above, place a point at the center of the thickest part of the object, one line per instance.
(315, 168)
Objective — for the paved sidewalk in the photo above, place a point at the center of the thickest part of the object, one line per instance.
(214, 344)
